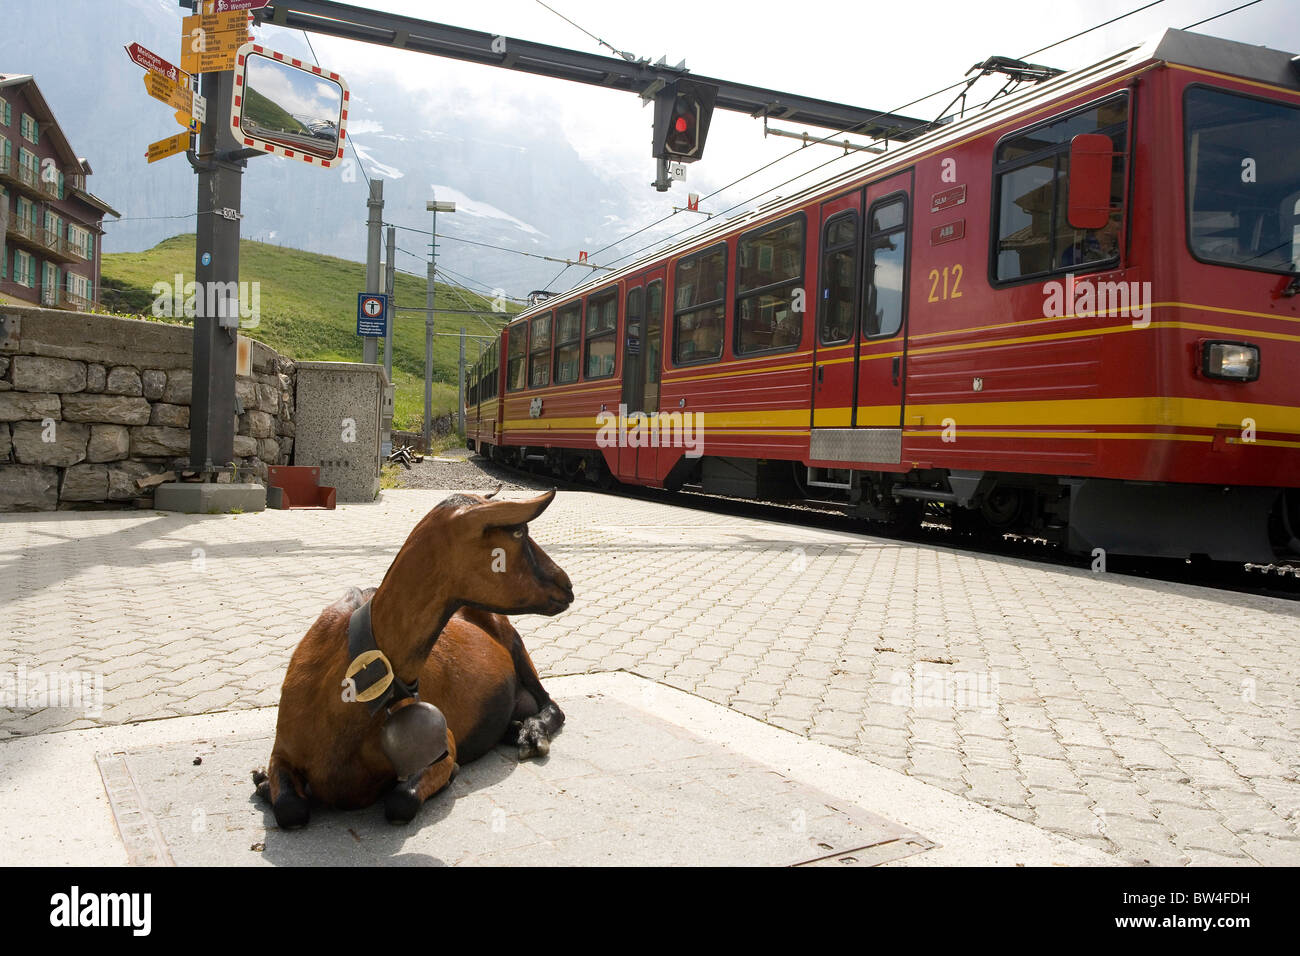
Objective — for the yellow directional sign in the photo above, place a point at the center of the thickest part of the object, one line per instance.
(209, 61)
(168, 147)
(170, 92)
(188, 121)
(209, 41)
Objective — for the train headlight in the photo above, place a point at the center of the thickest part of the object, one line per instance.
(1231, 361)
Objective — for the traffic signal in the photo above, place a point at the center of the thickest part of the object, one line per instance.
(683, 109)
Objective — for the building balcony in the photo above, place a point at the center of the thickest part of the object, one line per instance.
(61, 299)
(50, 245)
(27, 180)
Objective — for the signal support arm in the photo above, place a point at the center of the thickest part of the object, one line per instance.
(473, 46)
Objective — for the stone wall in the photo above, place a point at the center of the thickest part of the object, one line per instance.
(90, 403)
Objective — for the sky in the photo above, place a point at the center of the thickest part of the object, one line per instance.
(870, 54)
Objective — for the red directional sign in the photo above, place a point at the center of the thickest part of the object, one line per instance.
(153, 62)
(224, 6)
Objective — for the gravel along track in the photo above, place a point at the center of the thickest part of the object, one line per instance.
(462, 470)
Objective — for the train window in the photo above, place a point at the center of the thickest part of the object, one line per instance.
(539, 355)
(1243, 185)
(602, 319)
(887, 267)
(654, 336)
(516, 367)
(769, 270)
(698, 306)
(1032, 233)
(837, 317)
(568, 343)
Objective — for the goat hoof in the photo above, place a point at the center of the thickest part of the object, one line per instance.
(401, 805)
(291, 812)
(533, 739)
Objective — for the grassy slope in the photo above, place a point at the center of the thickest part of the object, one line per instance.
(308, 312)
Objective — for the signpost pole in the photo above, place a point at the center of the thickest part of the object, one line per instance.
(375, 225)
(216, 275)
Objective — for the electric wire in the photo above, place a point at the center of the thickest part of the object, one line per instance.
(798, 149)
(1223, 14)
(630, 57)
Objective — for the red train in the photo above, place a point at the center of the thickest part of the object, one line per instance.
(1074, 315)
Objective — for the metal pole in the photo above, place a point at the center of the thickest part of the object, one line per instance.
(428, 337)
(375, 223)
(216, 260)
(390, 269)
(460, 384)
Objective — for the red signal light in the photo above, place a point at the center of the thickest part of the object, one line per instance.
(681, 124)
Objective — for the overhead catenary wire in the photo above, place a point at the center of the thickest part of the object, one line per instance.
(696, 224)
(630, 57)
(360, 165)
(1243, 6)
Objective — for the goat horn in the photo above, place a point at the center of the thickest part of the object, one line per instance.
(493, 493)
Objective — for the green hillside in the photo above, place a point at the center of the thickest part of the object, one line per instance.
(308, 312)
(259, 111)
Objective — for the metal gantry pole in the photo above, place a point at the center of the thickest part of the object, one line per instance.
(390, 286)
(374, 238)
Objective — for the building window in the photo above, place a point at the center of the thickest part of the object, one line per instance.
(30, 129)
(602, 319)
(24, 269)
(516, 366)
(539, 356)
(1031, 171)
(769, 268)
(6, 114)
(568, 343)
(79, 286)
(699, 297)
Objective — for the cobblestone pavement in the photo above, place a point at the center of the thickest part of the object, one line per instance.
(1156, 721)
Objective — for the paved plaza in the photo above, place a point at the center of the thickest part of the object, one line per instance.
(1152, 722)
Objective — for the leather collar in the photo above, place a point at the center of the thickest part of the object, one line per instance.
(375, 682)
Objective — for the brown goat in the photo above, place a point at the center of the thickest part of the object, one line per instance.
(439, 617)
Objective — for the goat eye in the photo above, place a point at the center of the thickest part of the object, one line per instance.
(518, 533)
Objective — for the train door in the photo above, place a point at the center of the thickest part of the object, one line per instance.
(643, 308)
(858, 380)
(838, 305)
(878, 407)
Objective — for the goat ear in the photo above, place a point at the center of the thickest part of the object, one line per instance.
(504, 513)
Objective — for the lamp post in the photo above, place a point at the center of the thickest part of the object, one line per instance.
(434, 207)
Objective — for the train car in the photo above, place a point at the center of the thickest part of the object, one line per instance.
(1072, 315)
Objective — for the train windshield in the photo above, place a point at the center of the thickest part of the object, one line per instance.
(1243, 180)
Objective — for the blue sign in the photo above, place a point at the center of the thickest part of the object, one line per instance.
(372, 314)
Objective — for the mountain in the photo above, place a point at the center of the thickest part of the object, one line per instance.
(523, 186)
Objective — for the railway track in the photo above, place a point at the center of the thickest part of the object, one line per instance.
(1280, 580)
